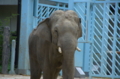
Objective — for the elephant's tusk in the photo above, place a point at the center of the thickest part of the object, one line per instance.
(78, 49)
(59, 50)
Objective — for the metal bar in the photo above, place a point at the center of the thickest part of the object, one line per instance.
(98, 17)
(79, 13)
(97, 58)
(64, 6)
(105, 1)
(70, 4)
(105, 32)
(44, 11)
(110, 18)
(97, 43)
(95, 67)
(96, 49)
(103, 40)
(81, 1)
(81, 8)
(48, 12)
(114, 40)
(36, 8)
(41, 12)
(35, 13)
(58, 4)
(52, 6)
(87, 19)
(84, 42)
(95, 1)
(105, 76)
(108, 43)
(92, 48)
(61, 1)
(99, 11)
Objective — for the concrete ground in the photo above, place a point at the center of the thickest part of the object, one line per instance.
(3, 76)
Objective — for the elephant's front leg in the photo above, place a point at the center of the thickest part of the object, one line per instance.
(51, 73)
(55, 73)
(46, 73)
(46, 70)
(35, 70)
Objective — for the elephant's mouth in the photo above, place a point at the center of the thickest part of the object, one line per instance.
(60, 50)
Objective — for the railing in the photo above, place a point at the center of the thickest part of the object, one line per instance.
(101, 28)
(44, 10)
(101, 34)
(105, 59)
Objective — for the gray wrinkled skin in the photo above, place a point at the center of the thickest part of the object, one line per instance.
(61, 29)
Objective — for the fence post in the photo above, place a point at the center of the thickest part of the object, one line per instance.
(12, 57)
(6, 49)
(71, 4)
(35, 13)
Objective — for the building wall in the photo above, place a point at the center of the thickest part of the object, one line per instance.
(8, 2)
(47, 2)
(7, 11)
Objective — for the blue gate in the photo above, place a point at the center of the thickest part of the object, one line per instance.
(101, 36)
(45, 11)
(100, 42)
(42, 11)
(105, 52)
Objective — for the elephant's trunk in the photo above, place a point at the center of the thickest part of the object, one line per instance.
(68, 65)
(67, 44)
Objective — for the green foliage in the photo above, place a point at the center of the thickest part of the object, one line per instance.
(1, 43)
(0, 23)
(6, 22)
(7, 19)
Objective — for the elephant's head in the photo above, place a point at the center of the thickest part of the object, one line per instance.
(63, 28)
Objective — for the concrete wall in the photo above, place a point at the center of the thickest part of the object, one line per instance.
(47, 2)
(7, 11)
(8, 2)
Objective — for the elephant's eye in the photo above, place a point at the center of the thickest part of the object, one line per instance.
(55, 33)
(55, 36)
(55, 30)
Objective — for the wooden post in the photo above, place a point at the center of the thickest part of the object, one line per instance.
(6, 49)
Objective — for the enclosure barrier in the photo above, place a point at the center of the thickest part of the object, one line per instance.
(101, 34)
(105, 56)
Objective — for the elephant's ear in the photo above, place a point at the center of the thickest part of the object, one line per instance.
(80, 28)
(44, 30)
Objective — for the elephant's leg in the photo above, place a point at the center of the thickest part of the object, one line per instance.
(51, 72)
(55, 73)
(46, 73)
(35, 70)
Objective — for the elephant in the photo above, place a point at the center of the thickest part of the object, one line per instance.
(52, 45)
